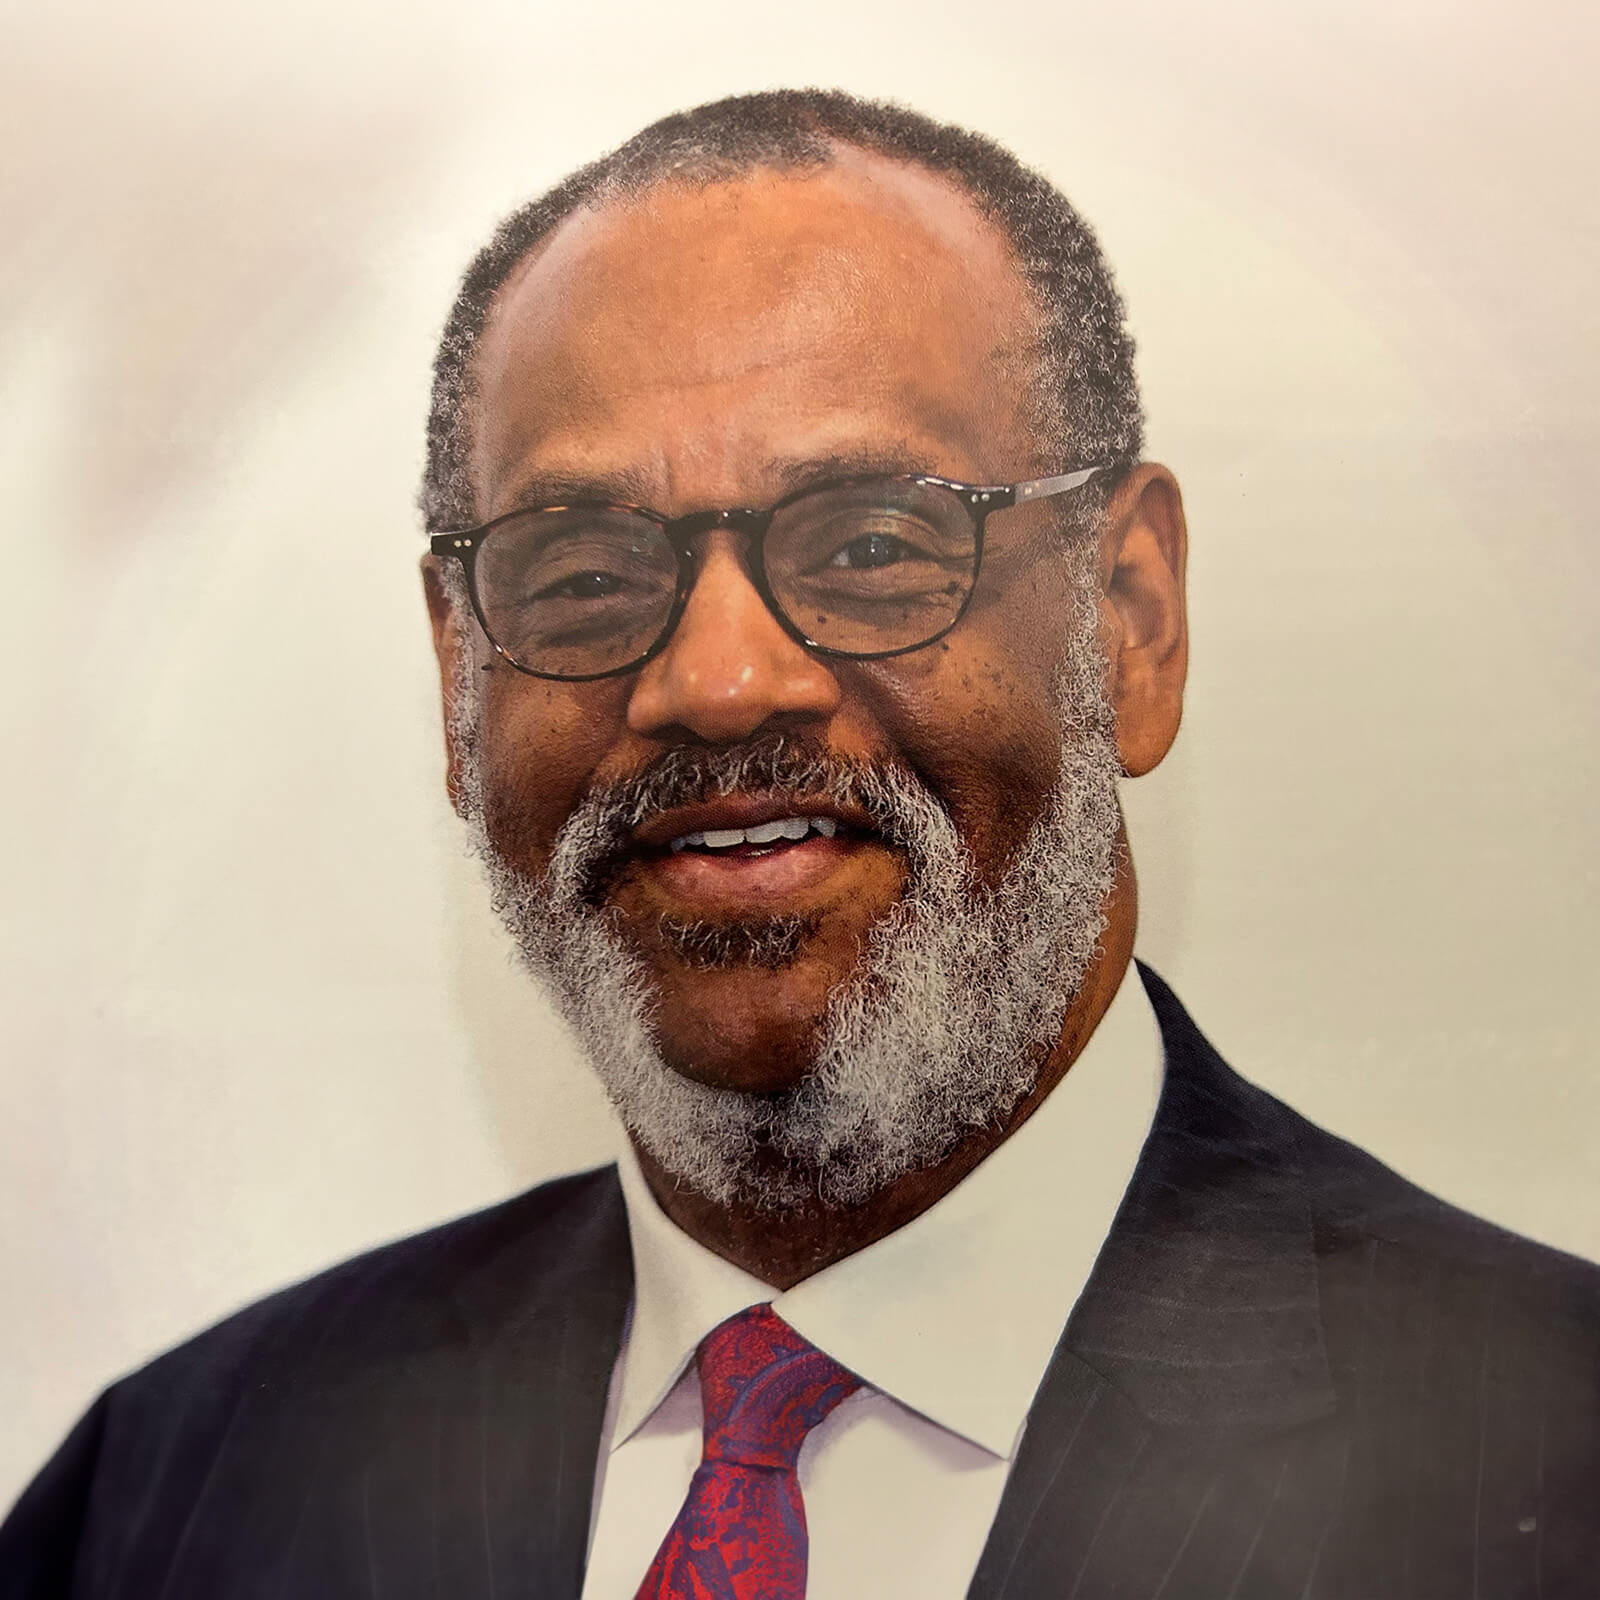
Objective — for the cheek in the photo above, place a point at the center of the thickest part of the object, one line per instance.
(542, 744)
(976, 718)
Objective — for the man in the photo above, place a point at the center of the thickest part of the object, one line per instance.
(800, 598)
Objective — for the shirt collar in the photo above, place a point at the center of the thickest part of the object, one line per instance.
(956, 1314)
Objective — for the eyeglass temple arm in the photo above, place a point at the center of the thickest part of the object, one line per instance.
(1043, 488)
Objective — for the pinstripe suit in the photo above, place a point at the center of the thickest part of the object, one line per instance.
(1292, 1374)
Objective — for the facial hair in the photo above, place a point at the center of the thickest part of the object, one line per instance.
(956, 999)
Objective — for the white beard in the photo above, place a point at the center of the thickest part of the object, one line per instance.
(941, 1029)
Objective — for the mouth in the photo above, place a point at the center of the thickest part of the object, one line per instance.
(756, 854)
(773, 835)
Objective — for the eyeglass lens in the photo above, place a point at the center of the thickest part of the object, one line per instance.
(862, 568)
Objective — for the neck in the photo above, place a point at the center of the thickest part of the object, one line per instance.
(782, 1248)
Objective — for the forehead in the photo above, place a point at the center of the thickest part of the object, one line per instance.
(696, 331)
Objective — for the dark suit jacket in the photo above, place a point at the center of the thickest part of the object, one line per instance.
(1292, 1374)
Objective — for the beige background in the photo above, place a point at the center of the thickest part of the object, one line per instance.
(254, 1016)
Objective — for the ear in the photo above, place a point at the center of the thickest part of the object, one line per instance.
(1144, 547)
(447, 620)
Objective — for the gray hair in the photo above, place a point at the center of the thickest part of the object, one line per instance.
(957, 998)
(1087, 397)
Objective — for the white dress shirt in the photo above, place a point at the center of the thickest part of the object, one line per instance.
(950, 1322)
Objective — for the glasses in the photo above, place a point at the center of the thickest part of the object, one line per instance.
(862, 569)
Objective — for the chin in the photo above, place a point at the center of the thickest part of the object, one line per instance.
(749, 1029)
(742, 1004)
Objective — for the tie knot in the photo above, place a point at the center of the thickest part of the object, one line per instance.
(764, 1388)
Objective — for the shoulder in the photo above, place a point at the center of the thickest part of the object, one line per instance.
(1358, 1200)
(1462, 1361)
(1398, 1238)
(1419, 1299)
(444, 1284)
(334, 1375)
(1458, 1307)
(1461, 1315)
(1467, 1359)
(1354, 1201)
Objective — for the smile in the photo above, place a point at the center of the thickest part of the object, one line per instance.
(779, 829)
(762, 854)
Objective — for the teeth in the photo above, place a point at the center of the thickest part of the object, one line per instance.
(761, 833)
(780, 828)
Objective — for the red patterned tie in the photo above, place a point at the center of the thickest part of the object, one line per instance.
(742, 1532)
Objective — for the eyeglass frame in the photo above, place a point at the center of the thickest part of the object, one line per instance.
(979, 501)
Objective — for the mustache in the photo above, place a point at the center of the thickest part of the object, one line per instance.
(593, 842)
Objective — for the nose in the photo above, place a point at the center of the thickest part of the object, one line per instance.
(729, 667)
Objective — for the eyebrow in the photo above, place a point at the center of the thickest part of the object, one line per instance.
(556, 488)
(899, 462)
(787, 475)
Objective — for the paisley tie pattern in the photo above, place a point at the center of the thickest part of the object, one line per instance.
(742, 1532)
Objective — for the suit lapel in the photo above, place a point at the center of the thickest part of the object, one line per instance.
(421, 1424)
(1203, 1307)
(480, 1471)
(544, 1375)
(1188, 1411)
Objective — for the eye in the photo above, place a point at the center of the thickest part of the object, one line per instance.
(583, 586)
(871, 550)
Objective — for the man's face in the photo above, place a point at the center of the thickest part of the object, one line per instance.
(711, 347)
